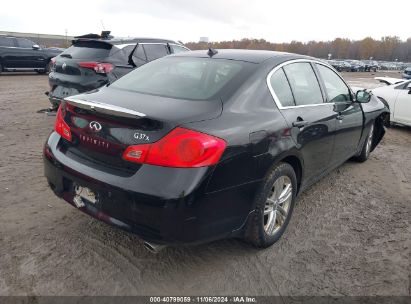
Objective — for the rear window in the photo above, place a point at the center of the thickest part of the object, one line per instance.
(182, 77)
(6, 41)
(88, 50)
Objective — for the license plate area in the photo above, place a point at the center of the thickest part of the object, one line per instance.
(84, 195)
(62, 92)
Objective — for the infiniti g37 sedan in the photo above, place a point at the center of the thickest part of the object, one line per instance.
(200, 146)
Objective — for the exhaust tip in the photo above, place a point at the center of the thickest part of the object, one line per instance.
(153, 248)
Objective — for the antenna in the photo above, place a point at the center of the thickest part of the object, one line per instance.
(102, 24)
(211, 52)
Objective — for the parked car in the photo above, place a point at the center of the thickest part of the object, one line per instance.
(407, 73)
(356, 65)
(389, 80)
(202, 145)
(21, 54)
(398, 98)
(94, 62)
(371, 66)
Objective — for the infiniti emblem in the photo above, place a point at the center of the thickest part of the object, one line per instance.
(64, 66)
(95, 126)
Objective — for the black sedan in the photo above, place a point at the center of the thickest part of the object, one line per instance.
(204, 145)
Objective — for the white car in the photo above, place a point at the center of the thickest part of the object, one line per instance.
(389, 80)
(398, 97)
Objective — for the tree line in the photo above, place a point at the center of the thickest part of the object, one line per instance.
(388, 48)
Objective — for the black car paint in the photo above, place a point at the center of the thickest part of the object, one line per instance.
(18, 58)
(74, 79)
(194, 205)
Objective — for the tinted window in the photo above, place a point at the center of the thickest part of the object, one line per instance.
(337, 91)
(6, 41)
(303, 83)
(177, 77)
(128, 49)
(25, 43)
(178, 49)
(88, 50)
(139, 57)
(154, 51)
(281, 88)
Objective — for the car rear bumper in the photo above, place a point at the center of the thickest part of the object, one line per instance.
(161, 205)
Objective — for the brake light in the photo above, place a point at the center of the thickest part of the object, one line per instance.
(60, 126)
(53, 63)
(181, 148)
(98, 67)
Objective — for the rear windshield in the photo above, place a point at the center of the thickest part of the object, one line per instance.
(182, 77)
(88, 50)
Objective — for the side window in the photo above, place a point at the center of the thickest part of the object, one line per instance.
(281, 87)
(337, 90)
(139, 57)
(304, 84)
(128, 49)
(155, 51)
(25, 43)
(6, 41)
(178, 49)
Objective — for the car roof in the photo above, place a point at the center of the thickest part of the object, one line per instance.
(253, 56)
(116, 41)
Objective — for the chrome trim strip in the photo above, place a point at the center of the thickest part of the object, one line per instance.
(276, 68)
(103, 107)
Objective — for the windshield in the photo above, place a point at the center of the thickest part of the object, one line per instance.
(182, 77)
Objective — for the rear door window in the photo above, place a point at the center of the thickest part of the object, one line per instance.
(281, 88)
(155, 51)
(139, 56)
(304, 83)
(6, 41)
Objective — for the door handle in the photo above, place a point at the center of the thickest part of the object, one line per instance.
(300, 123)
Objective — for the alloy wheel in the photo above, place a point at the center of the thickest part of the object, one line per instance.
(278, 204)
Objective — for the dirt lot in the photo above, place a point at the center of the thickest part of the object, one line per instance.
(350, 233)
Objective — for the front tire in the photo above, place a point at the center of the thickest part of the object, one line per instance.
(367, 146)
(274, 206)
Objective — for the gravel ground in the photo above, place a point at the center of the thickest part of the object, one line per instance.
(349, 235)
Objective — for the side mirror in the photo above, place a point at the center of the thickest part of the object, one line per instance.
(362, 96)
(36, 47)
(409, 88)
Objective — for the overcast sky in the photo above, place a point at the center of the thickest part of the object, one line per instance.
(187, 20)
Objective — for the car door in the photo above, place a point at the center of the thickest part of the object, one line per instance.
(8, 51)
(27, 56)
(402, 108)
(298, 95)
(348, 114)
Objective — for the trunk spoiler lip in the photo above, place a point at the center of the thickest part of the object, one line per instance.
(103, 107)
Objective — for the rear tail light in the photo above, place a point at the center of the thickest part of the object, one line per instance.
(53, 63)
(98, 67)
(60, 126)
(181, 148)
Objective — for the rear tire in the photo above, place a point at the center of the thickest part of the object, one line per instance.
(367, 146)
(274, 206)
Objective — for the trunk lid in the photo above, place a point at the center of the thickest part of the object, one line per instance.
(104, 123)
